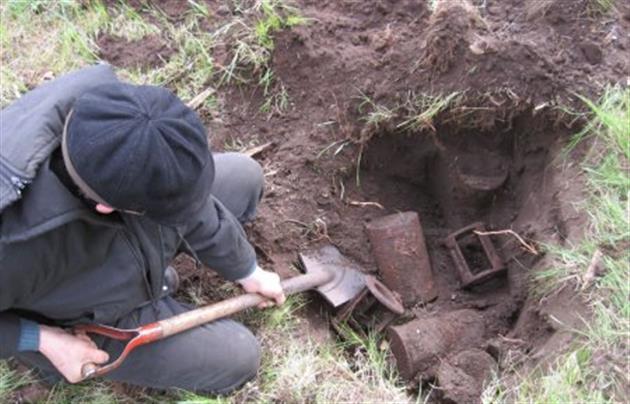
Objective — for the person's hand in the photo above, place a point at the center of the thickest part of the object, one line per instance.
(69, 352)
(264, 283)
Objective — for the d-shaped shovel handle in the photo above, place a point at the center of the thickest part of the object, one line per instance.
(136, 337)
(174, 325)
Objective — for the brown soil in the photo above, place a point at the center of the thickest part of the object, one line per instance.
(463, 376)
(147, 52)
(492, 157)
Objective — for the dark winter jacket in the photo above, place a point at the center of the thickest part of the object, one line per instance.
(61, 262)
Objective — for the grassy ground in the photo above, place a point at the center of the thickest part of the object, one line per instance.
(39, 39)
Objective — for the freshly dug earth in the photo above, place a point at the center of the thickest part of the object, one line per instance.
(148, 52)
(493, 155)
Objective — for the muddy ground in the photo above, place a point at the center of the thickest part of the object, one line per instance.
(513, 63)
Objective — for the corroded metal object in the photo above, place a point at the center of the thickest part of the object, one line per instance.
(419, 344)
(401, 255)
(474, 275)
(374, 308)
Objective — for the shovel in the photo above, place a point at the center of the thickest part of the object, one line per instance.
(335, 277)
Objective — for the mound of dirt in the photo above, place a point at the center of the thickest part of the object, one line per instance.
(452, 27)
(148, 52)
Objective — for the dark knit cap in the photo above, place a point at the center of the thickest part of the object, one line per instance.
(139, 148)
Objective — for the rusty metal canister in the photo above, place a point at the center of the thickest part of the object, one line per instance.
(401, 255)
(418, 344)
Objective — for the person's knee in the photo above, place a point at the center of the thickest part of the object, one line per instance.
(241, 365)
(250, 179)
(238, 184)
(246, 362)
(252, 176)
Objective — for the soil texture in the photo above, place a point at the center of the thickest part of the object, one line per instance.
(145, 53)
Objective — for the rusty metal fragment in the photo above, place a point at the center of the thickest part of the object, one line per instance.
(384, 296)
(365, 311)
(475, 275)
(419, 344)
(401, 255)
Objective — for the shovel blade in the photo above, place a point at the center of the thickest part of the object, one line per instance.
(348, 280)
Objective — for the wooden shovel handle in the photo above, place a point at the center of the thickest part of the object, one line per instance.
(203, 315)
(161, 329)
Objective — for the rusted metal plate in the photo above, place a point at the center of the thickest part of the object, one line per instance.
(401, 255)
(348, 280)
(472, 276)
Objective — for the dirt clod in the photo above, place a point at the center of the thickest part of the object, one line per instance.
(591, 52)
(447, 39)
(462, 377)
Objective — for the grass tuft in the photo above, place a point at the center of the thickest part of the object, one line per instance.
(69, 42)
(565, 384)
(600, 7)
(249, 39)
(423, 108)
(11, 381)
(296, 369)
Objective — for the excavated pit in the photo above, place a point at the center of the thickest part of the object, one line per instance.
(499, 177)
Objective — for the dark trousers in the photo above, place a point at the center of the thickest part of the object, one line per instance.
(214, 358)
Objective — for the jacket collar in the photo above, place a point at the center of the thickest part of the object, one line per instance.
(46, 204)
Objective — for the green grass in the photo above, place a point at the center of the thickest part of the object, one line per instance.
(72, 26)
(68, 42)
(249, 38)
(601, 7)
(563, 384)
(129, 24)
(10, 381)
(297, 369)
(93, 392)
(375, 115)
(593, 371)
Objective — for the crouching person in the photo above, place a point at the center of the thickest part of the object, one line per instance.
(131, 184)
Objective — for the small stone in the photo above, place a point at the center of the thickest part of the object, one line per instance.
(495, 9)
(559, 59)
(223, 10)
(478, 47)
